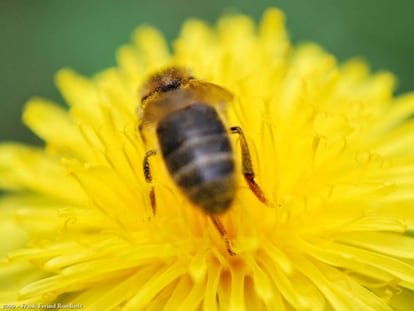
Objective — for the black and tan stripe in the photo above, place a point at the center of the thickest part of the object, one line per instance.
(198, 154)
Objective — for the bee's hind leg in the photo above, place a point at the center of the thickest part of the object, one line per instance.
(220, 228)
(247, 165)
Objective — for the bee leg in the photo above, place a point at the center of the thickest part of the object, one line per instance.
(247, 165)
(220, 228)
(148, 178)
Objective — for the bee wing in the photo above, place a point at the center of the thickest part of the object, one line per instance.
(210, 93)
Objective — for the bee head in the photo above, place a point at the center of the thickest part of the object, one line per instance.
(164, 81)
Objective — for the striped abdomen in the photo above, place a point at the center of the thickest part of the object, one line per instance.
(196, 149)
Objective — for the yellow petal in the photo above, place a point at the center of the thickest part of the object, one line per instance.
(52, 123)
(152, 47)
(28, 168)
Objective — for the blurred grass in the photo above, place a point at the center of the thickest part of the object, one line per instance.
(39, 37)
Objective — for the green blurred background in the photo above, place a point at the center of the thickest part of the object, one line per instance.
(39, 37)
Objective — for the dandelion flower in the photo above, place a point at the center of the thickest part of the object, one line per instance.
(332, 149)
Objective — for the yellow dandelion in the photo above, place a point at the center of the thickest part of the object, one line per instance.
(331, 147)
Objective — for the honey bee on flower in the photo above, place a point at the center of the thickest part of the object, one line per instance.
(194, 141)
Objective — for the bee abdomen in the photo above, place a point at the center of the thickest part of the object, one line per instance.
(198, 155)
(204, 169)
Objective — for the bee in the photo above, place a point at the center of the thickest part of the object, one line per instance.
(186, 116)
